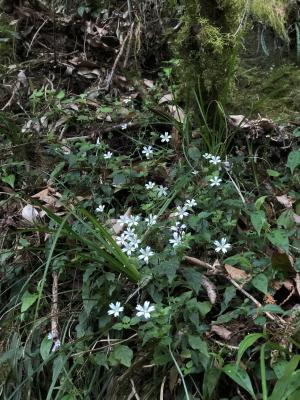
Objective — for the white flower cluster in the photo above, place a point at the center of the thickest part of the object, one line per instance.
(179, 228)
(215, 160)
(160, 190)
(142, 310)
(129, 241)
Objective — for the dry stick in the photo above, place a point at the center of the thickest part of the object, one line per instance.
(196, 261)
(161, 394)
(129, 46)
(54, 307)
(34, 37)
(134, 390)
(111, 75)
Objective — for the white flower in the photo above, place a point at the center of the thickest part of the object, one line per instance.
(145, 310)
(151, 219)
(98, 143)
(190, 203)
(165, 137)
(134, 242)
(215, 160)
(145, 254)
(222, 245)
(121, 240)
(178, 227)
(126, 101)
(177, 239)
(129, 248)
(133, 220)
(123, 220)
(115, 309)
(215, 181)
(129, 233)
(107, 155)
(195, 172)
(150, 185)
(100, 208)
(124, 126)
(181, 212)
(49, 336)
(56, 345)
(161, 191)
(148, 151)
(207, 156)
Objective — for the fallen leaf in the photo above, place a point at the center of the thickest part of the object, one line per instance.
(117, 227)
(177, 113)
(285, 200)
(221, 331)
(237, 274)
(167, 98)
(210, 288)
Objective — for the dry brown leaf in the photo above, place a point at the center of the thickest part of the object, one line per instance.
(148, 83)
(48, 198)
(167, 98)
(177, 113)
(238, 121)
(117, 227)
(237, 274)
(221, 331)
(285, 200)
(210, 288)
(296, 218)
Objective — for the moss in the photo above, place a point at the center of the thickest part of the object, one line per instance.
(207, 47)
(273, 13)
(273, 93)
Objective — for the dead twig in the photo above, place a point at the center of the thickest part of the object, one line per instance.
(201, 263)
(111, 75)
(34, 36)
(54, 307)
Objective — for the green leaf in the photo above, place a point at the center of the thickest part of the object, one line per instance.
(105, 109)
(58, 168)
(259, 202)
(194, 153)
(273, 308)
(258, 219)
(168, 268)
(260, 282)
(193, 278)
(121, 354)
(200, 345)
(296, 132)
(279, 238)
(273, 173)
(9, 179)
(279, 368)
(28, 299)
(119, 179)
(60, 95)
(247, 342)
(45, 347)
(289, 382)
(239, 376)
(286, 219)
(293, 160)
(197, 343)
(210, 381)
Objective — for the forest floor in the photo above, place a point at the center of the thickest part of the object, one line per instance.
(142, 257)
